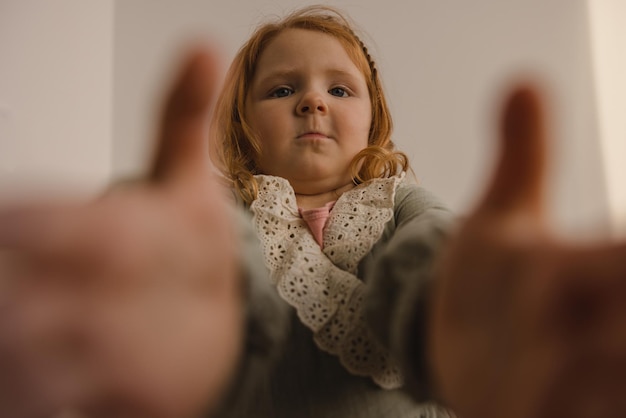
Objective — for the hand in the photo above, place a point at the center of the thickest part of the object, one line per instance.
(128, 306)
(522, 325)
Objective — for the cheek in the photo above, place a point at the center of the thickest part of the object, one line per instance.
(268, 133)
(267, 123)
(367, 127)
(362, 125)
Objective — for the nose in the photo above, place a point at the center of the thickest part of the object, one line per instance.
(312, 102)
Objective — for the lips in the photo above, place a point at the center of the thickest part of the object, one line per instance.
(313, 135)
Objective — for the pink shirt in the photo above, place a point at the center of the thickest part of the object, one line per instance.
(316, 220)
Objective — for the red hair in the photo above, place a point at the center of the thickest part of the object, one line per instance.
(236, 146)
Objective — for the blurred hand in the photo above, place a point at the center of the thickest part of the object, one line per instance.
(128, 306)
(522, 325)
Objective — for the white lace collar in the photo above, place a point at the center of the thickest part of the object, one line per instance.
(322, 285)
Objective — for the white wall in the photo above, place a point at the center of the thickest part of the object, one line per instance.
(608, 36)
(55, 91)
(79, 82)
(443, 62)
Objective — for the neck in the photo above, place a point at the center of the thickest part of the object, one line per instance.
(316, 200)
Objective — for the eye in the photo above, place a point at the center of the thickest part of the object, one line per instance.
(282, 92)
(338, 91)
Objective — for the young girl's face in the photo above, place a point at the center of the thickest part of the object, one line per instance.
(310, 107)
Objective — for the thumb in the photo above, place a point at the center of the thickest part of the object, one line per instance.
(518, 181)
(182, 143)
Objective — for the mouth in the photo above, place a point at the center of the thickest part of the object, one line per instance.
(313, 135)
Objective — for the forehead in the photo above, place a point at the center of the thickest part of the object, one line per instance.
(294, 48)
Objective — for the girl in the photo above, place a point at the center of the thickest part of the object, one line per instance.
(303, 133)
(131, 305)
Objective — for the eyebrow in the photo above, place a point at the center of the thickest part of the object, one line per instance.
(284, 73)
(290, 72)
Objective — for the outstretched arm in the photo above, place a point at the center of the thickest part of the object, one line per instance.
(128, 306)
(522, 325)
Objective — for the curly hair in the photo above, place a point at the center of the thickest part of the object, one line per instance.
(236, 147)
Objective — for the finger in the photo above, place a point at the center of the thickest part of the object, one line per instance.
(182, 148)
(37, 353)
(63, 244)
(41, 305)
(45, 228)
(596, 296)
(518, 179)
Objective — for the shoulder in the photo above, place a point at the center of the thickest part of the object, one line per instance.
(413, 200)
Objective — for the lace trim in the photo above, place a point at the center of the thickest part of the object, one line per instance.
(322, 285)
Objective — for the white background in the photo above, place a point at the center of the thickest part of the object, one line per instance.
(80, 83)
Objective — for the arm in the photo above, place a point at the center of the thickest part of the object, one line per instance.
(266, 321)
(517, 323)
(400, 280)
(129, 305)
